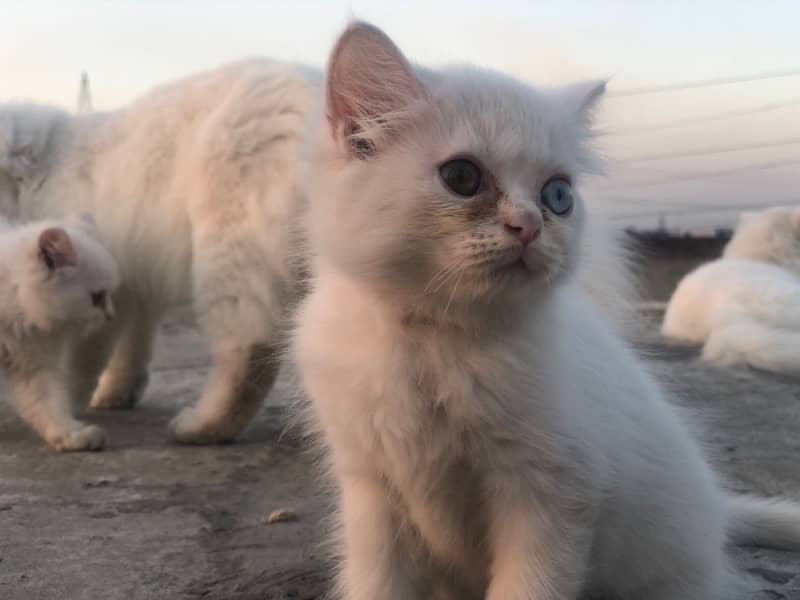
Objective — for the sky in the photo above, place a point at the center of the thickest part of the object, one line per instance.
(740, 147)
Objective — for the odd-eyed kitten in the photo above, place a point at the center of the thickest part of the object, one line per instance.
(56, 281)
(490, 435)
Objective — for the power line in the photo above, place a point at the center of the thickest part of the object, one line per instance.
(711, 150)
(704, 119)
(719, 173)
(688, 85)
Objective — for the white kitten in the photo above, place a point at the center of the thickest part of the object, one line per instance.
(56, 281)
(194, 188)
(745, 307)
(490, 436)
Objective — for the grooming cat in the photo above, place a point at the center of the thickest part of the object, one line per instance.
(193, 187)
(56, 281)
(491, 437)
(744, 308)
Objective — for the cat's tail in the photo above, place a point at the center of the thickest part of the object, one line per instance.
(765, 523)
(760, 345)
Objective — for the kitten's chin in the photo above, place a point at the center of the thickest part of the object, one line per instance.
(522, 268)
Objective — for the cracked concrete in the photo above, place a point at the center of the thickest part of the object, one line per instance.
(147, 520)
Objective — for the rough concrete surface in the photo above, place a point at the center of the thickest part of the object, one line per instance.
(147, 519)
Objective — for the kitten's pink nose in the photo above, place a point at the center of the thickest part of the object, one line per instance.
(525, 225)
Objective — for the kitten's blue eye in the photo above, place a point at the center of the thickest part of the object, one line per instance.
(557, 196)
(461, 176)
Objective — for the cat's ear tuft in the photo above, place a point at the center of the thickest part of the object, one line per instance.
(369, 83)
(56, 249)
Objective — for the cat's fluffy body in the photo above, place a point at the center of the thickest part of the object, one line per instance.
(56, 281)
(194, 187)
(743, 307)
(490, 436)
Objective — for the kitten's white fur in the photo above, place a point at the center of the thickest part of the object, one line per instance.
(490, 436)
(48, 274)
(743, 307)
(194, 187)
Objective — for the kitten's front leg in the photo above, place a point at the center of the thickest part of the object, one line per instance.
(42, 399)
(377, 565)
(539, 546)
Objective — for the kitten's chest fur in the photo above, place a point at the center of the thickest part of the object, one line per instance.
(423, 413)
(433, 471)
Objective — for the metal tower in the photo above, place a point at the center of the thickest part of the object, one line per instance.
(85, 95)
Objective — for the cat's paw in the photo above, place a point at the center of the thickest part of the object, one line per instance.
(80, 439)
(118, 393)
(193, 427)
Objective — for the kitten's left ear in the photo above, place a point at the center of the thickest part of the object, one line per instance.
(583, 97)
(369, 83)
(56, 249)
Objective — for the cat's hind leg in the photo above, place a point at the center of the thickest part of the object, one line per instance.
(241, 291)
(125, 377)
(240, 379)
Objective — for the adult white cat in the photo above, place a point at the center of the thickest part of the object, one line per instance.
(490, 436)
(193, 186)
(56, 281)
(745, 307)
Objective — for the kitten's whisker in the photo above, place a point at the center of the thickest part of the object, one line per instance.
(443, 272)
(455, 287)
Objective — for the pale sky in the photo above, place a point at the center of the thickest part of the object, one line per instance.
(127, 46)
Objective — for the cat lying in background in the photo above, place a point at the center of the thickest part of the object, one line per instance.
(744, 308)
(56, 282)
(490, 436)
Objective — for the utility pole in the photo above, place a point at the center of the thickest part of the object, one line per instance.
(85, 95)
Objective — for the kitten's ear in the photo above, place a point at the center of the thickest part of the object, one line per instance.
(583, 97)
(56, 249)
(369, 83)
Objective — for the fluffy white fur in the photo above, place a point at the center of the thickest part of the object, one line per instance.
(744, 307)
(194, 187)
(56, 281)
(490, 436)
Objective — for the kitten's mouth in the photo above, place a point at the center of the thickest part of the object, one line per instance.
(513, 263)
(517, 264)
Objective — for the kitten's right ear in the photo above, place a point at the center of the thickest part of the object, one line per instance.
(56, 249)
(369, 84)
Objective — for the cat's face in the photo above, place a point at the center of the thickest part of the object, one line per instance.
(771, 235)
(453, 187)
(70, 276)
